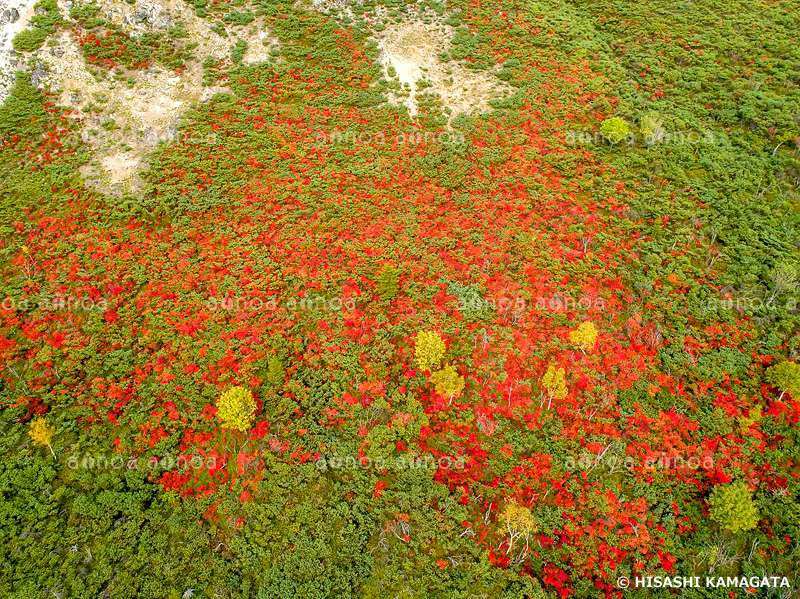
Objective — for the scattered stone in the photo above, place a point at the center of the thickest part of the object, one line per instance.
(39, 75)
(162, 22)
(10, 15)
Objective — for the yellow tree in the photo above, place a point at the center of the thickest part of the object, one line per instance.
(519, 523)
(429, 349)
(42, 433)
(448, 382)
(555, 383)
(786, 377)
(236, 408)
(584, 336)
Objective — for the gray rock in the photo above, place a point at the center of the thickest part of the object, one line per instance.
(11, 15)
(162, 22)
(140, 15)
(38, 75)
(57, 52)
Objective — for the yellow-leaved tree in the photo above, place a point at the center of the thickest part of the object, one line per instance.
(236, 408)
(448, 382)
(584, 336)
(41, 433)
(519, 523)
(429, 349)
(555, 384)
(786, 377)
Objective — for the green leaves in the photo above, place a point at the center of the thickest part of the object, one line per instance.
(786, 377)
(732, 507)
(387, 283)
(41, 27)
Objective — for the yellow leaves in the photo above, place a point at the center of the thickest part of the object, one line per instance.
(519, 522)
(584, 336)
(555, 383)
(41, 433)
(754, 415)
(732, 506)
(236, 408)
(554, 380)
(429, 349)
(448, 382)
(518, 516)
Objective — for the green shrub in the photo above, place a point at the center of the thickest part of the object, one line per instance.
(42, 26)
(614, 129)
(732, 507)
(238, 50)
(387, 283)
(275, 370)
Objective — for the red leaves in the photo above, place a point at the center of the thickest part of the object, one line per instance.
(379, 486)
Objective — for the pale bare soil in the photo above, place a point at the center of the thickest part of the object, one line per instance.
(412, 50)
(124, 121)
(133, 118)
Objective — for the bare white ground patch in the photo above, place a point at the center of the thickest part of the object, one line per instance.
(412, 51)
(259, 45)
(124, 121)
(14, 17)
